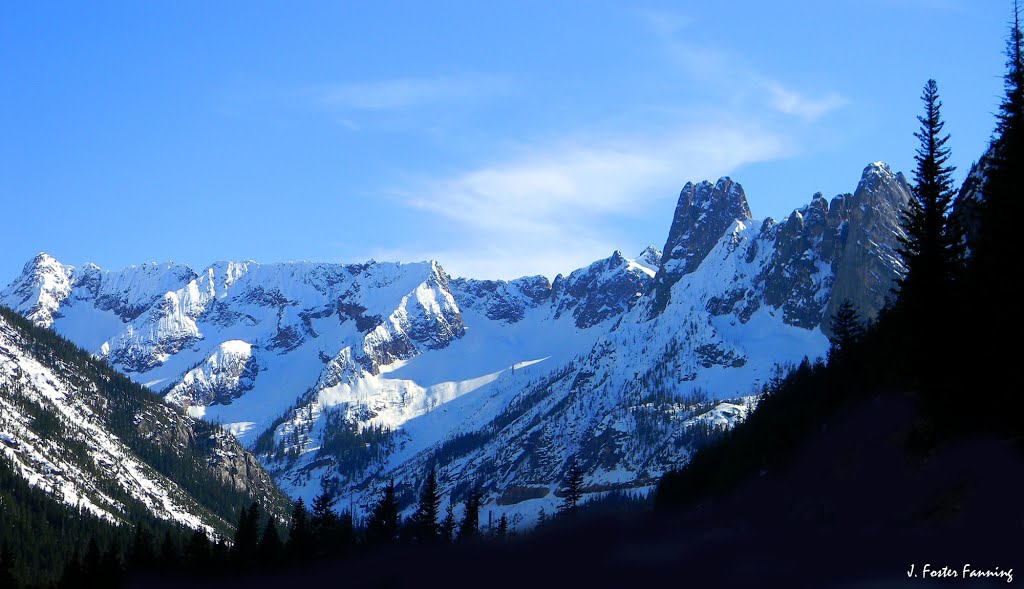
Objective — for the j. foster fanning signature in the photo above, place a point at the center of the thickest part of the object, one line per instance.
(930, 571)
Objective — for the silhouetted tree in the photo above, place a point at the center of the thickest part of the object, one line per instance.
(469, 527)
(423, 523)
(929, 248)
(197, 552)
(382, 527)
(324, 524)
(931, 251)
(300, 537)
(572, 489)
(447, 527)
(111, 566)
(7, 568)
(1003, 204)
(270, 549)
(542, 518)
(247, 535)
(996, 259)
(92, 561)
(141, 555)
(170, 557)
(501, 531)
(847, 330)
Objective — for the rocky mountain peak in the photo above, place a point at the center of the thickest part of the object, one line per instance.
(703, 213)
(650, 258)
(600, 291)
(878, 178)
(37, 293)
(868, 223)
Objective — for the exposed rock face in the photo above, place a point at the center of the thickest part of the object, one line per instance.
(131, 292)
(602, 290)
(867, 229)
(798, 280)
(501, 300)
(820, 255)
(967, 205)
(426, 319)
(223, 377)
(704, 212)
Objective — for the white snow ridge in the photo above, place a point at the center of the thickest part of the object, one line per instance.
(344, 376)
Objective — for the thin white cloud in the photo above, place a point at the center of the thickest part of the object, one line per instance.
(405, 93)
(713, 67)
(549, 210)
(789, 102)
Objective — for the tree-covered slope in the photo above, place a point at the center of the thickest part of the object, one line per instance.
(77, 435)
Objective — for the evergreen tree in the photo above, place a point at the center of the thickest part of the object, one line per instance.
(324, 524)
(7, 578)
(382, 527)
(92, 561)
(300, 537)
(447, 527)
(323, 515)
(345, 535)
(1002, 199)
(197, 552)
(847, 330)
(931, 255)
(219, 553)
(542, 518)
(996, 259)
(423, 524)
(501, 531)
(141, 555)
(469, 527)
(246, 535)
(572, 489)
(929, 247)
(111, 566)
(170, 555)
(270, 549)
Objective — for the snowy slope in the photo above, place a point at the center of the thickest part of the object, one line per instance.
(343, 375)
(58, 419)
(657, 381)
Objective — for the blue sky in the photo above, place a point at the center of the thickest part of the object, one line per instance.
(500, 138)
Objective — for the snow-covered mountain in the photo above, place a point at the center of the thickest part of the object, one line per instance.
(344, 375)
(97, 442)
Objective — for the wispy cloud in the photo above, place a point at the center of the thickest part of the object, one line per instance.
(789, 102)
(714, 67)
(406, 93)
(553, 207)
(556, 205)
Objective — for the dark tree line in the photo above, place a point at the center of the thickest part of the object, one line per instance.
(991, 293)
(944, 338)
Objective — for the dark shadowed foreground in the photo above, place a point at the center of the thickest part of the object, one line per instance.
(849, 510)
